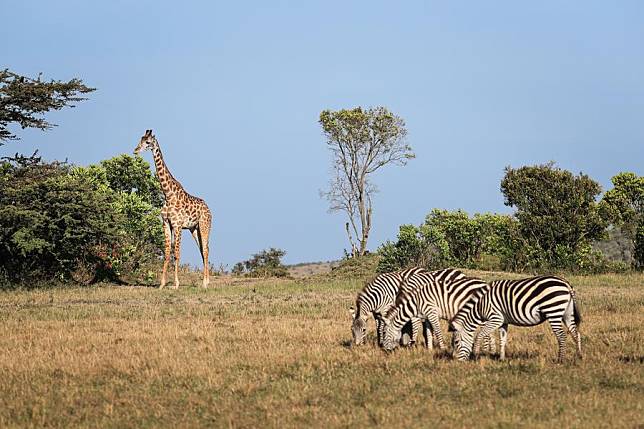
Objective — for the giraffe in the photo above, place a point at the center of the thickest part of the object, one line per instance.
(180, 211)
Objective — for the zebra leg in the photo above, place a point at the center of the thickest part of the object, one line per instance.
(407, 334)
(557, 328)
(489, 344)
(380, 326)
(487, 329)
(427, 333)
(574, 333)
(434, 321)
(503, 339)
(415, 329)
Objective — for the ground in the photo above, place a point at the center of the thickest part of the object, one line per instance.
(276, 354)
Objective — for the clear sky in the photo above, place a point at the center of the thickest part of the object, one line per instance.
(233, 91)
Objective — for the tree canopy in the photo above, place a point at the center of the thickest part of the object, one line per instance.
(24, 101)
(361, 142)
(624, 207)
(557, 211)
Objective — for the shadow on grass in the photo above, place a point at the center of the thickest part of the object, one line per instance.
(347, 344)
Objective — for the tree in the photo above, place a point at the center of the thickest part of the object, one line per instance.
(361, 142)
(23, 101)
(132, 174)
(557, 212)
(51, 222)
(63, 222)
(267, 263)
(623, 206)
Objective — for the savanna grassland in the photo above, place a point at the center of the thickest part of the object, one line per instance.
(276, 354)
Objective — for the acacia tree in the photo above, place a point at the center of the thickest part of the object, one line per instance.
(361, 142)
(23, 101)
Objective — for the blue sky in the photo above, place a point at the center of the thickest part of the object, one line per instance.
(233, 91)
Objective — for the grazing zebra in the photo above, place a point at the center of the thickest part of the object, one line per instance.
(526, 302)
(380, 294)
(424, 297)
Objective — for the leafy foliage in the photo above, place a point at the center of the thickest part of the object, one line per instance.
(51, 222)
(267, 263)
(557, 214)
(453, 239)
(132, 175)
(65, 222)
(623, 206)
(361, 142)
(23, 101)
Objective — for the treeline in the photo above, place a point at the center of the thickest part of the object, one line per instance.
(557, 223)
(85, 224)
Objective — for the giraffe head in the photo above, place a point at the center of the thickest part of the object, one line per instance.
(147, 142)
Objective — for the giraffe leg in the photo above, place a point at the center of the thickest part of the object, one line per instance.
(203, 234)
(167, 233)
(557, 328)
(177, 256)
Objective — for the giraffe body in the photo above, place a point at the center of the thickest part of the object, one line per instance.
(181, 211)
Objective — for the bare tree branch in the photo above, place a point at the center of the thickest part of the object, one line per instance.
(361, 142)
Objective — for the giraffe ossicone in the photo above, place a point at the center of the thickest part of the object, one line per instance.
(180, 211)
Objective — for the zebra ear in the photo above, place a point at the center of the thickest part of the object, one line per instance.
(352, 312)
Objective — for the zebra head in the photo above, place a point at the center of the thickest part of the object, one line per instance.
(391, 335)
(462, 341)
(358, 328)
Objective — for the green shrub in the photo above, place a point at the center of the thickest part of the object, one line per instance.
(453, 239)
(51, 222)
(267, 263)
(68, 223)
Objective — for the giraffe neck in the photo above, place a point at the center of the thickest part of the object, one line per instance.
(169, 185)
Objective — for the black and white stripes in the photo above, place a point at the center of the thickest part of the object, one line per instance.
(379, 295)
(426, 297)
(525, 302)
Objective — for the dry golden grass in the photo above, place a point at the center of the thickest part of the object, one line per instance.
(274, 354)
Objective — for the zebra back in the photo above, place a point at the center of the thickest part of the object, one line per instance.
(379, 294)
(427, 293)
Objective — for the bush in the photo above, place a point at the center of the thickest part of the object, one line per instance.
(453, 239)
(51, 222)
(68, 223)
(267, 263)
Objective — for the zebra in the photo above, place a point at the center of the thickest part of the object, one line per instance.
(379, 295)
(525, 302)
(427, 298)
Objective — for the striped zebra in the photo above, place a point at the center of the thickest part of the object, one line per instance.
(380, 294)
(526, 302)
(425, 297)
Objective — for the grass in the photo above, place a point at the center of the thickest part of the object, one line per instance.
(275, 354)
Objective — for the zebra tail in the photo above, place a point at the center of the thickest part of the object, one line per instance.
(576, 314)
